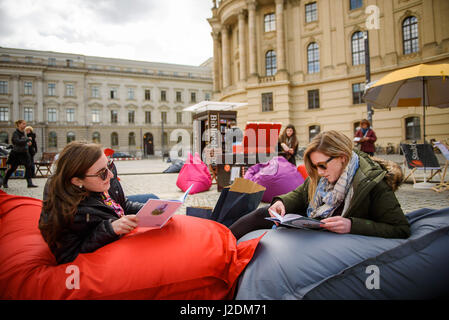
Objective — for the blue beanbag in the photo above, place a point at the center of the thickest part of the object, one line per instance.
(305, 264)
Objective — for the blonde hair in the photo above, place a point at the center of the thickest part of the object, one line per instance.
(29, 128)
(331, 143)
(18, 122)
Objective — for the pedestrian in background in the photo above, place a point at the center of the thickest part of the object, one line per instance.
(365, 137)
(32, 149)
(19, 155)
(288, 144)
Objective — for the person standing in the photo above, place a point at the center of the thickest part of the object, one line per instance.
(19, 155)
(288, 144)
(32, 149)
(366, 137)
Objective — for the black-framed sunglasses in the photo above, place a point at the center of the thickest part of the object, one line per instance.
(322, 165)
(103, 173)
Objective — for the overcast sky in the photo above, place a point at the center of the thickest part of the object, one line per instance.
(171, 31)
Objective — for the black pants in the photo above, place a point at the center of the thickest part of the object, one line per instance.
(10, 171)
(252, 221)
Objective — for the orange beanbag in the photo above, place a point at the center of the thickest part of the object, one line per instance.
(302, 170)
(190, 258)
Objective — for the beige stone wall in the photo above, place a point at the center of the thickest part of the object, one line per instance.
(332, 31)
(86, 72)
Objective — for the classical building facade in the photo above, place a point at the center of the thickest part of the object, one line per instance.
(303, 61)
(129, 106)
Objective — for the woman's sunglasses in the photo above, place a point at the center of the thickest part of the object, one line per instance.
(103, 173)
(322, 165)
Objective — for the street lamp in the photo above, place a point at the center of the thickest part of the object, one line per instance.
(369, 110)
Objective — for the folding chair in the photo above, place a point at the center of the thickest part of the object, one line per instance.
(443, 185)
(43, 166)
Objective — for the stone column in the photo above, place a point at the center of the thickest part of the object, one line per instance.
(216, 38)
(428, 37)
(280, 45)
(252, 37)
(15, 114)
(242, 45)
(40, 101)
(225, 56)
(325, 49)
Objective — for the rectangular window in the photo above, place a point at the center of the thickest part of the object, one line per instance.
(313, 98)
(28, 114)
(207, 96)
(70, 114)
(355, 4)
(28, 59)
(131, 93)
(4, 114)
(51, 89)
(95, 115)
(192, 96)
(3, 87)
(147, 94)
(51, 115)
(52, 62)
(164, 116)
(28, 87)
(163, 95)
(131, 114)
(69, 90)
(178, 96)
(114, 116)
(95, 92)
(412, 128)
(267, 101)
(69, 63)
(269, 22)
(178, 117)
(147, 116)
(357, 93)
(113, 93)
(311, 12)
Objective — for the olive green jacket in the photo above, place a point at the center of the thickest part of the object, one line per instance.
(374, 209)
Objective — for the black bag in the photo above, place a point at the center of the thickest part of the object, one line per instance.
(235, 201)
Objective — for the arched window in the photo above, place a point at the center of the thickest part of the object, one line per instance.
(52, 139)
(96, 137)
(410, 35)
(412, 128)
(114, 139)
(270, 63)
(70, 136)
(4, 137)
(356, 127)
(131, 139)
(313, 58)
(313, 131)
(358, 48)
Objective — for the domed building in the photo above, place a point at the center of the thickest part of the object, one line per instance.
(303, 62)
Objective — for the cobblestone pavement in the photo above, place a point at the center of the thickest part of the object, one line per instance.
(144, 176)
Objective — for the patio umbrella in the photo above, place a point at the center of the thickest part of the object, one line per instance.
(421, 85)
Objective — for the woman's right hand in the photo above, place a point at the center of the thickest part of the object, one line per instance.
(277, 207)
(125, 224)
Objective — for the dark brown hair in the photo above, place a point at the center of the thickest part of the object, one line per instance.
(64, 197)
(283, 137)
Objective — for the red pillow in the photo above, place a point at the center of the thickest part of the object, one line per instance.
(190, 258)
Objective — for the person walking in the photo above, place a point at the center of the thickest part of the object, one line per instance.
(288, 144)
(19, 155)
(366, 137)
(32, 149)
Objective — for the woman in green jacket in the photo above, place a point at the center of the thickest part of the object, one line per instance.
(346, 189)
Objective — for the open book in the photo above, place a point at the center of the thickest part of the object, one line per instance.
(296, 221)
(156, 212)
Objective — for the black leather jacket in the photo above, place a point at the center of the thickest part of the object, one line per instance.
(91, 228)
(19, 141)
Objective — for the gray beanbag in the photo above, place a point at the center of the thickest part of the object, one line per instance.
(303, 264)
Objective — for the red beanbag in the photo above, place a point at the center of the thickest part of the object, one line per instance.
(194, 171)
(302, 170)
(190, 258)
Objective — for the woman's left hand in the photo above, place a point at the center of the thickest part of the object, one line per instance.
(337, 224)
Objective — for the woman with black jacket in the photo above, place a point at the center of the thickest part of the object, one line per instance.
(79, 214)
(19, 155)
(32, 149)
